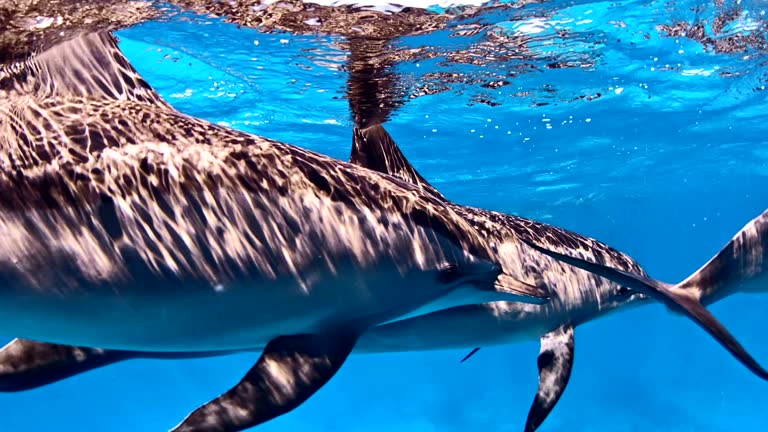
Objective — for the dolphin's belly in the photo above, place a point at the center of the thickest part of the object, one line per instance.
(193, 317)
(469, 326)
(460, 327)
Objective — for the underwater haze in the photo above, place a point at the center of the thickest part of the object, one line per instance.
(640, 123)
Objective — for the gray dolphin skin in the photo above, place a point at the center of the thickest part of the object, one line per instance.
(127, 225)
(577, 297)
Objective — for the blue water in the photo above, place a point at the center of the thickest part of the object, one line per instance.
(667, 164)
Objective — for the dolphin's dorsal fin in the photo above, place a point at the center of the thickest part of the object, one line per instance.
(374, 148)
(89, 66)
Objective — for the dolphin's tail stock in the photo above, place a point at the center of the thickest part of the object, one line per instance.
(740, 266)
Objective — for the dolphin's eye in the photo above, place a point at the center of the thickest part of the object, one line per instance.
(449, 274)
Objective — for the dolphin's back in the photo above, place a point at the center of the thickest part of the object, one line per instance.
(101, 181)
(490, 223)
(374, 148)
(210, 211)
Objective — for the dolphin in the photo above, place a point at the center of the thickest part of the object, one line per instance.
(582, 290)
(613, 280)
(64, 186)
(127, 225)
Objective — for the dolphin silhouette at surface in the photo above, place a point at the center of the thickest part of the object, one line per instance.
(127, 225)
(577, 296)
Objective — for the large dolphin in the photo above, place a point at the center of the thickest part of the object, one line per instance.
(127, 225)
(577, 296)
(64, 216)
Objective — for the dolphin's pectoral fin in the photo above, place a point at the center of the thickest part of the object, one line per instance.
(555, 365)
(26, 364)
(529, 293)
(673, 297)
(483, 283)
(290, 370)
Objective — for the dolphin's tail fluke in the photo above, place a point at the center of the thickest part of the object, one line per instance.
(741, 266)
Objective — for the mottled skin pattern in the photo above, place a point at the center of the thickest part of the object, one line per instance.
(580, 292)
(555, 364)
(132, 198)
(739, 267)
(88, 66)
(577, 295)
(106, 189)
(127, 225)
(32, 26)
